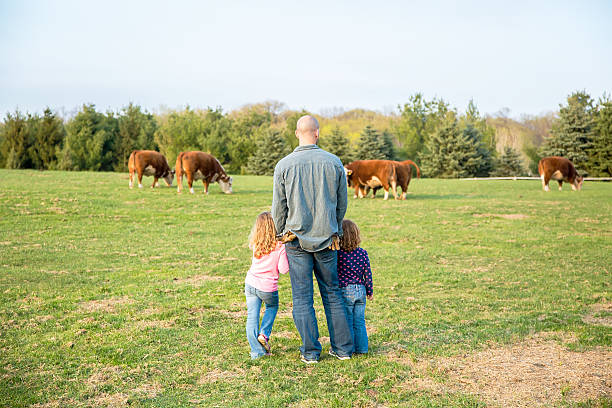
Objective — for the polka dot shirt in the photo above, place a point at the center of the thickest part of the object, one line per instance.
(354, 268)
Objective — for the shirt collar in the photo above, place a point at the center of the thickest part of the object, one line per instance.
(306, 147)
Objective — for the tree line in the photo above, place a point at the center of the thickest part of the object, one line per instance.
(250, 140)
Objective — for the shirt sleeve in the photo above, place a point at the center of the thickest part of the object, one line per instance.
(367, 275)
(342, 201)
(283, 263)
(279, 203)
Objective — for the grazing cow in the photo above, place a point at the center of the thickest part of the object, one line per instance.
(371, 173)
(149, 163)
(403, 172)
(201, 166)
(560, 169)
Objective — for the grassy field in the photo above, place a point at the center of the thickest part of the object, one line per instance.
(116, 297)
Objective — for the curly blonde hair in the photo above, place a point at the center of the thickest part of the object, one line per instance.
(262, 239)
(350, 239)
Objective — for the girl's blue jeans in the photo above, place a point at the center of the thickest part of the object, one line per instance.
(254, 299)
(355, 301)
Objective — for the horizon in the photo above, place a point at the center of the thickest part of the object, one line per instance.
(523, 57)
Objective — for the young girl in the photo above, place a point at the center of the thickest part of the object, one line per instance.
(355, 278)
(261, 283)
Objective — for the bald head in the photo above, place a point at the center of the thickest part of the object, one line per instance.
(307, 130)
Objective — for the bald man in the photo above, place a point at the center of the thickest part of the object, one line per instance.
(308, 205)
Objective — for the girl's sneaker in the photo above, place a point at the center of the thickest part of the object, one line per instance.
(263, 340)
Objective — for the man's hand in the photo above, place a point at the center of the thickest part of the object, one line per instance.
(288, 237)
(370, 297)
(335, 244)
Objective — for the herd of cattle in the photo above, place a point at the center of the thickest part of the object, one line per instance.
(362, 175)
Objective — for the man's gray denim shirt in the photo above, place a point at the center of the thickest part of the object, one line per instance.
(309, 196)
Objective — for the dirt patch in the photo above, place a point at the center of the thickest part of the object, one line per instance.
(148, 390)
(118, 400)
(102, 377)
(536, 372)
(601, 314)
(218, 375)
(105, 305)
(197, 280)
(505, 216)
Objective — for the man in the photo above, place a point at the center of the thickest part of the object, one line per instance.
(308, 204)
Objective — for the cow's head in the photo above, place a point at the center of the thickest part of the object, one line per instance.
(225, 182)
(349, 178)
(577, 185)
(168, 177)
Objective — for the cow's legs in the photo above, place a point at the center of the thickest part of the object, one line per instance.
(139, 180)
(544, 182)
(560, 184)
(155, 183)
(179, 182)
(358, 192)
(131, 179)
(394, 189)
(190, 182)
(205, 186)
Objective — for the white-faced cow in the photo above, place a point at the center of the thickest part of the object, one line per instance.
(560, 169)
(201, 166)
(371, 173)
(149, 163)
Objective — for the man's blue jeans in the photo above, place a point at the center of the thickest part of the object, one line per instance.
(355, 300)
(324, 263)
(254, 298)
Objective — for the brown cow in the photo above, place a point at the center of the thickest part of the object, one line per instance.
(149, 163)
(403, 172)
(201, 166)
(560, 169)
(372, 173)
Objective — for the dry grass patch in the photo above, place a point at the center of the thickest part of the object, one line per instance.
(197, 280)
(148, 390)
(118, 400)
(601, 314)
(216, 375)
(506, 216)
(147, 324)
(105, 305)
(536, 372)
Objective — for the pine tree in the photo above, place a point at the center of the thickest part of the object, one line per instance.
(136, 130)
(600, 160)
(572, 134)
(337, 143)
(387, 145)
(452, 153)
(49, 135)
(16, 141)
(270, 148)
(371, 145)
(510, 164)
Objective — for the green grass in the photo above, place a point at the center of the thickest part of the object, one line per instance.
(110, 295)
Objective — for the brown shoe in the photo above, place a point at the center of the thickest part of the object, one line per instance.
(264, 342)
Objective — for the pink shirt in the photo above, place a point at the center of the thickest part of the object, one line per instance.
(264, 271)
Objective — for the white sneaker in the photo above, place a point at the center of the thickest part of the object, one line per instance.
(334, 354)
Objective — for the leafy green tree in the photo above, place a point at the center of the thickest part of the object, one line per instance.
(418, 120)
(338, 144)
(600, 160)
(248, 126)
(89, 142)
(49, 135)
(178, 132)
(371, 145)
(572, 134)
(136, 132)
(290, 126)
(509, 164)
(452, 153)
(216, 134)
(271, 147)
(17, 140)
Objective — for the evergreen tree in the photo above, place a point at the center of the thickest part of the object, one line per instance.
(17, 141)
(387, 146)
(49, 134)
(370, 145)
(89, 142)
(216, 133)
(472, 117)
(510, 164)
(136, 132)
(600, 160)
(269, 150)
(572, 134)
(452, 153)
(337, 143)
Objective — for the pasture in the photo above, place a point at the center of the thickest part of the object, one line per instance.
(486, 293)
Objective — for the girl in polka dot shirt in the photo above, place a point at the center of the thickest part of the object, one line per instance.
(355, 278)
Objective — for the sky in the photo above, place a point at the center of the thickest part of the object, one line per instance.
(525, 56)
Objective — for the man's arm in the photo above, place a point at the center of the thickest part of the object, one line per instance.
(342, 201)
(279, 203)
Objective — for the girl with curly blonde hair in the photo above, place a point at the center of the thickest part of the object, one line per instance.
(261, 283)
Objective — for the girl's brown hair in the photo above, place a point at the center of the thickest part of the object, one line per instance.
(351, 239)
(262, 239)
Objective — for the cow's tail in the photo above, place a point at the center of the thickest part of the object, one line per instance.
(410, 162)
(178, 171)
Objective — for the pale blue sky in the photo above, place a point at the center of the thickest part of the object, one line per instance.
(523, 55)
